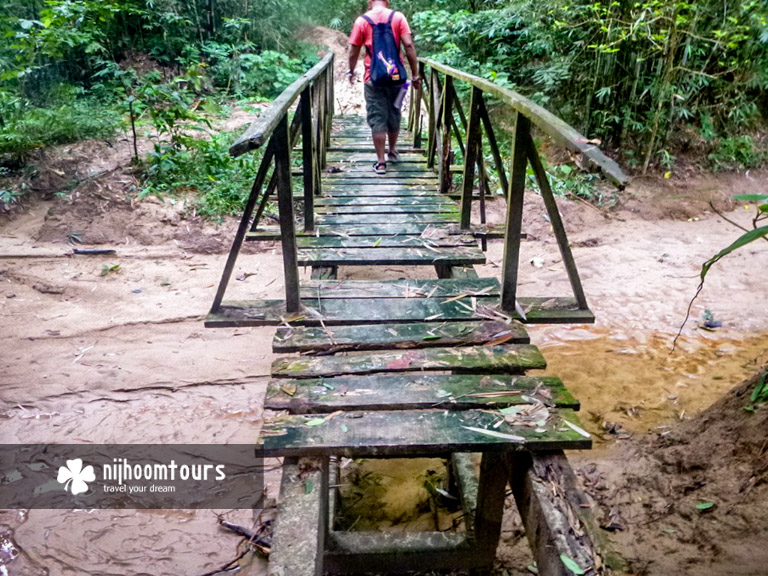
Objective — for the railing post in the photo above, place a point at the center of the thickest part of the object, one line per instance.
(285, 207)
(470, 157)
(494, 147)
(432, 130)
(557, 224)
(511, 258)
(242, 229)
(445, 151)
(416, 98)
(308, 159)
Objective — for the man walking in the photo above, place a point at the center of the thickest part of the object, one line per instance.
(381, 96)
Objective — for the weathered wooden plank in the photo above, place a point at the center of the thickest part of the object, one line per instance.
(420, 200)
(377, 230)
(341, 311)
(385, 180)
(413, 392)
(479, 287)
(389, 336)
(366, 159)
(353, 219)
(338, 168)
(356, 147)
(298, 539)
(443, 209)
(384, 242)
(506, 358)
(374, 231)
(369, 174)
(556, 515)
(414, 433)
(391, 256)
(399, 552)
(335, 312)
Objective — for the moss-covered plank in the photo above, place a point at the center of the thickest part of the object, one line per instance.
(366, 159)
(478, 287)
(342, 167)
(421, 200)
(341, 311)
(415, 433)
(505, 358)
(383, 241)
(392, 174)
(445, 210)
(353, 219)
(389, 336)
(414, 391)
(415, 256)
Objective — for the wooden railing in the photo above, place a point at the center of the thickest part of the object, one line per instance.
(439, 97)
(312, 122)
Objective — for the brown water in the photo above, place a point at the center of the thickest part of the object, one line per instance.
(634, 380)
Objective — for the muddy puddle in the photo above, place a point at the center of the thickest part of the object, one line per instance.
(627, 385)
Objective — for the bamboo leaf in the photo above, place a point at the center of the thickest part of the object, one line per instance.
(742, 240)
(494, 434)
(571, 565)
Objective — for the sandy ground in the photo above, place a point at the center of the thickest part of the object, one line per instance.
(122, 356)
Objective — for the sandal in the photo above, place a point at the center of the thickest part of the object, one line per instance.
(380, 167)
(394, 156)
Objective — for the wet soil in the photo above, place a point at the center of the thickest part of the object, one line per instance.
(94, 352)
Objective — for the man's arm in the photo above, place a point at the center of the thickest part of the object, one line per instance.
(354, 54)
(413, 59)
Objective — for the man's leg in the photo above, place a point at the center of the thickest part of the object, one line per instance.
(392, 136)
(380, 143)
(376, 107)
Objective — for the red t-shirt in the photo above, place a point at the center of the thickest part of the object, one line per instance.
(362, 35)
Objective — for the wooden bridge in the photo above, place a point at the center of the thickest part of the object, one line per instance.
(412, 368)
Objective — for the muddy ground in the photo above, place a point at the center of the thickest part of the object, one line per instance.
(101, 349)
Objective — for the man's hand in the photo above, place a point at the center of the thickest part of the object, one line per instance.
(352, 75)
(417, 82)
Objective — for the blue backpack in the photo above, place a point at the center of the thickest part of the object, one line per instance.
(387, 68)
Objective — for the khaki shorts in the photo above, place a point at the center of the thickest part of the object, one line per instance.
(382, 115)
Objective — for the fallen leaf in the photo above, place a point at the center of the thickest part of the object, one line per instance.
(494, 434)
(571, 565)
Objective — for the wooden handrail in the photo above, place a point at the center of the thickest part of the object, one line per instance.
(261, 129)
(551, 125)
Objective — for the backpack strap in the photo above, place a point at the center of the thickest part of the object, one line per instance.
(391, 16)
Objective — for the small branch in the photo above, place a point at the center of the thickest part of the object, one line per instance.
(739, 226)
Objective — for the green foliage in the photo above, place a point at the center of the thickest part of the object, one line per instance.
(27, 128)
(736, 153)
(203, 167)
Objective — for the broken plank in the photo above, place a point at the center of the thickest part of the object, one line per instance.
(410, 433)
(414, 391)
(415, 256)
(389, 336)
(507, 358)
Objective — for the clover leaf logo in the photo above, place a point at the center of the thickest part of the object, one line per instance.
(75, 474)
